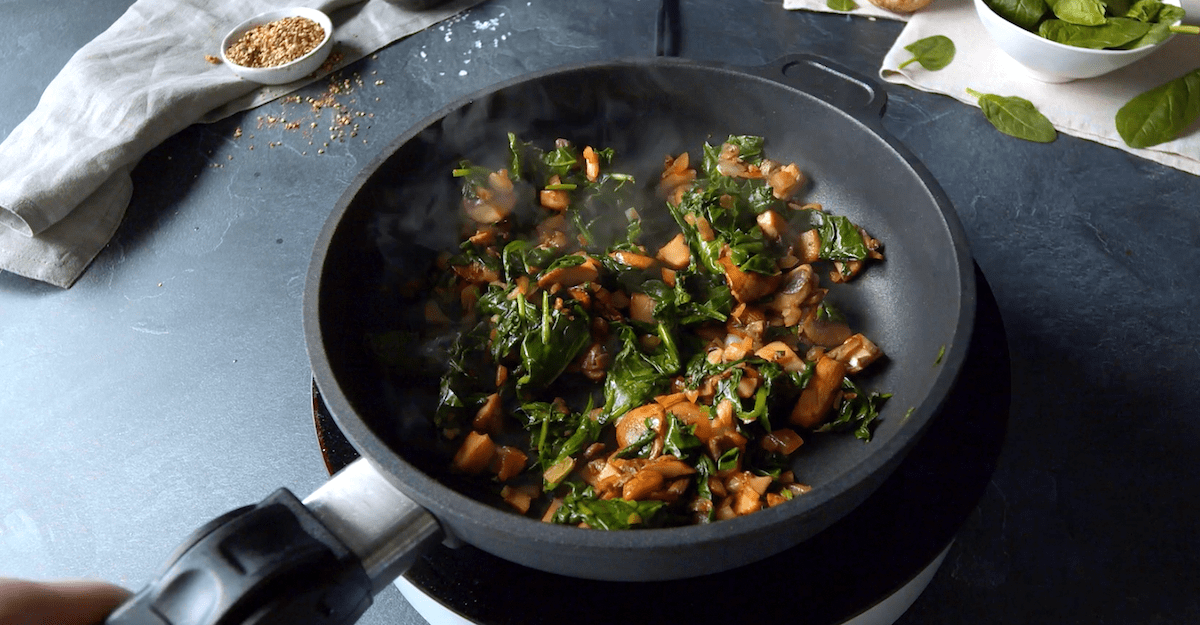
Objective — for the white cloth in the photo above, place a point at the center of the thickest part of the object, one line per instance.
(864, 8)
(65, 170)
(1082, 108)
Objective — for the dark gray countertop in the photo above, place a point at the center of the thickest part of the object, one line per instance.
(171, 383)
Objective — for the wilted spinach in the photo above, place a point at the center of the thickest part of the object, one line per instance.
(858, 413)
(581, 505)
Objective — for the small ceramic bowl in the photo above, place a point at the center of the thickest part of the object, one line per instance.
(1050, 61)
(292, 70)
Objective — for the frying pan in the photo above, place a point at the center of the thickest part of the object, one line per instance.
(320, 560)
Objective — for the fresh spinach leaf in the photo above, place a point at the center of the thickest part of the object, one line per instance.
(1162, 113)
(1024, 13)
(1170, 14)
(1016, 117)
(1117, 7)
(1144, 10)
(1157, 33)
(1113, 33)
(841, 5)
(1081, 12)
(933, 53)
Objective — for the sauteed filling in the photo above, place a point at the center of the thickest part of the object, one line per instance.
(656, 373)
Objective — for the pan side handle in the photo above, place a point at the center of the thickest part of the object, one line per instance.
(841, 87)
(316, 562)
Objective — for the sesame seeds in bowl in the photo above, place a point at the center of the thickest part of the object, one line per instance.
(279, 47)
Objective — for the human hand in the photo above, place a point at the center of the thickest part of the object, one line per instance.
(75, 602)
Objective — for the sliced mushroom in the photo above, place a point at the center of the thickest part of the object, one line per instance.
(856, 353)
(587, 271)
(798, 285)
(821, 393)
(748, 286)
(635, 424)
(475, 453)
(554, 199)
(675, 254)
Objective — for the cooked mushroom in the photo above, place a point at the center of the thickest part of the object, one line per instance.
(818, 398)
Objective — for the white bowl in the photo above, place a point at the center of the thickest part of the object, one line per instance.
(1050, 61)
(292, 70)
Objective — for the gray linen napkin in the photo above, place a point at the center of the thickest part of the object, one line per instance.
(65, 170)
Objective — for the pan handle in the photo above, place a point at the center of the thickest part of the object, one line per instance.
(844, 88)
(319, 561)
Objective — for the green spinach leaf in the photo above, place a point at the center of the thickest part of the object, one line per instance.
(1082, 12)
(1170, 14)
(1113, 33)
(858, 413)
(1157, 33)
(933, 53)
(1118, 7)
(581, 505)
(841, 5)
(550, 345)
(556, 433)
(633, 378)
(1144, 10)
(1016, 117)
(1024, 13)
(1162, 113)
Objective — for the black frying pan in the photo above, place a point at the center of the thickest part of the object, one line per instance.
(918, 305)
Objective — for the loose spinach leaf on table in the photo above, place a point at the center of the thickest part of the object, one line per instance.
(1016, 117)
(1113, 33)
(933, 53)
(1023, 13)
(1162, 113)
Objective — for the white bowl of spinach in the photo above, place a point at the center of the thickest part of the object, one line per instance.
(1064, 40)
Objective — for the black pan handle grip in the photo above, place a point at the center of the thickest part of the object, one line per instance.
(841, 87)
(316, 562)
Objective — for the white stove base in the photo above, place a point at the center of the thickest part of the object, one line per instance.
(886, 612)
